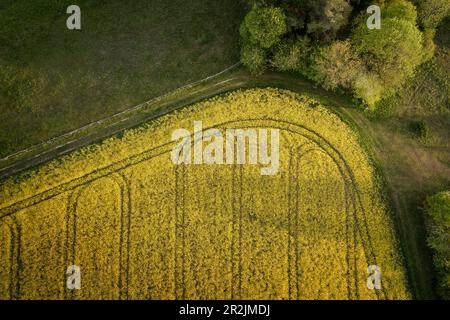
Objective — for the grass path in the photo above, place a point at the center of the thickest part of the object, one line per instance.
(411, 172)
(232, 79)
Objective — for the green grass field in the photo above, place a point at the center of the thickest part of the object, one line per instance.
(54, 80)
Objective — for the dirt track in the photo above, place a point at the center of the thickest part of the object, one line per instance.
(134, 117)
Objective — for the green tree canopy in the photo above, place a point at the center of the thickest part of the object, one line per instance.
(401, 9)
(372, 64)
(338, 65)
(392, 52)
(263, 26)
(432, 12)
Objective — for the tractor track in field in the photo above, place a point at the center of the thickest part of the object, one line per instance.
(175, 249)
(297, 245)
(354, 201)
(233, 230)
(71, 229)
(346, 173)
(241, 177)
(346, 199)
(183, 233)
(14, 258)
(355, 195)
(121, 165)
(289, 186)
(125, 217)
(293, 178)
(8, 230)
(180, 257)
(350, 277)
(236, 232)
(206, 88)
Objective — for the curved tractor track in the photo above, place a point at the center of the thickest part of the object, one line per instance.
(75, 188)
(230, 79)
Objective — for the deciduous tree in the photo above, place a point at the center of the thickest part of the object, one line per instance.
(392, 52)
(291, 55)
(338, 65)
(263, 26)
(432, 12)
(327, 17)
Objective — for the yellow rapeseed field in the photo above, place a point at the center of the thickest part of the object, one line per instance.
(141, 227)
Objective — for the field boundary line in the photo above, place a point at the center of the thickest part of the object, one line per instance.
(234, 81)
(92, 124)
(135, 159)
(233, 230)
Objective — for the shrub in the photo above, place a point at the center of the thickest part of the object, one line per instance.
(419, 129)
(437, 208)
(428, 44)
(254, 58)
(368, 87)
(383, 109)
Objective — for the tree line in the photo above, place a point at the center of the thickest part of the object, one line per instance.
(329, 42)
